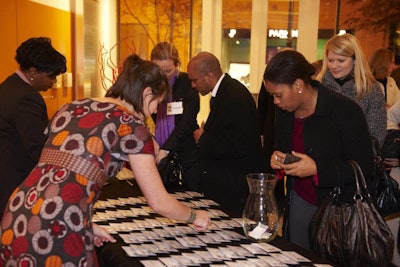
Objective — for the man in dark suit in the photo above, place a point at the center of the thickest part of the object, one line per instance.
(23, 113)
(229, 142)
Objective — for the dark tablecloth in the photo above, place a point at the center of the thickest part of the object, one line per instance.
(112, 254)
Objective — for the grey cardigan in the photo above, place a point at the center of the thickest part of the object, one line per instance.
(373, 104)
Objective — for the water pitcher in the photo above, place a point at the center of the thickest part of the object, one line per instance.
(260, 215)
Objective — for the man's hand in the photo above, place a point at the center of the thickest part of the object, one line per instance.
(197, 133)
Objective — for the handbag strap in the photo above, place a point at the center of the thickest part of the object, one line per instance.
(361, 184)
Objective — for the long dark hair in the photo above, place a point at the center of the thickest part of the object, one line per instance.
(136, 75)
(288, 66)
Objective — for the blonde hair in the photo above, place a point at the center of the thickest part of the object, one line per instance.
(165, 51)
(380, 62)
(347, 45)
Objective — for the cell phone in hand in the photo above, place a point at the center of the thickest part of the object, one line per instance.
(290, 158)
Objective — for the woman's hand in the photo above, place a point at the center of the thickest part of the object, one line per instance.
(392, 162)
(276, 160)
(305, 167)
(202, 220)
(101, 236)
(161, 154)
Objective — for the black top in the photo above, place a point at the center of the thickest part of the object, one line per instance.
(23, 119)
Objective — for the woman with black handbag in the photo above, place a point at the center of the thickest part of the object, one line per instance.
(391, 154)
(176, 119)
(324, 130)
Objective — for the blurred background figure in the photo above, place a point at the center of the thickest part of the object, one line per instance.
(266, 117)
(23, 112)
(346, 71)
(393, 122)
(381, 64)
(317, 66)
(396, 71)
(176, 118)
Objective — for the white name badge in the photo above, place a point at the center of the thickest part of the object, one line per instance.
(175, 108)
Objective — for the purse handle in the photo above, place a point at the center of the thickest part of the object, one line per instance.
(361, 184)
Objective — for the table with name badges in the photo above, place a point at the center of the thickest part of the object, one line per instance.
(146, 238)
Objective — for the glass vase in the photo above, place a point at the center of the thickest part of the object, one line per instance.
(260, 215)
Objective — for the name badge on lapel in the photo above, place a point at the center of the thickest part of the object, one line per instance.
(175, 108)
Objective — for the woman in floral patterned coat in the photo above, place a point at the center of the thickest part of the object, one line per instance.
(48, 219)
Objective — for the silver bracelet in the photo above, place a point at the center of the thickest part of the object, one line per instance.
(192, 216)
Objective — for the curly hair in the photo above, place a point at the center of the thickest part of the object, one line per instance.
(38, 53)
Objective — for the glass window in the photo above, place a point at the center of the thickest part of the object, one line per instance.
(281, 32)
(145, 23)
(236, 27)
(282, 26)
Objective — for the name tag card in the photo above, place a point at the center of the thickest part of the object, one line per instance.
(175, 108)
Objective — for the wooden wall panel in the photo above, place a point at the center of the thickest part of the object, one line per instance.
(22, 19)
(8, 22)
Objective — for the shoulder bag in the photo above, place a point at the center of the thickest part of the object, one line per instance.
(385, 189)
(170, 170)
(351, 234)
(391, 144)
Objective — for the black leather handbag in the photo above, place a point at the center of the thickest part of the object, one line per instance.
(386, 189)
(351, 234)
(170, 170)
(391, 144)
(387, 193)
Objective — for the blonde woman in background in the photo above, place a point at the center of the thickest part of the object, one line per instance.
(345, 70)
(382, 64)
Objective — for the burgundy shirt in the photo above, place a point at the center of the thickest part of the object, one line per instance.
(305, 187)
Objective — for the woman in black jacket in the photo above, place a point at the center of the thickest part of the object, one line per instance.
(23, 112)
(176, 117)
(323, 129)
